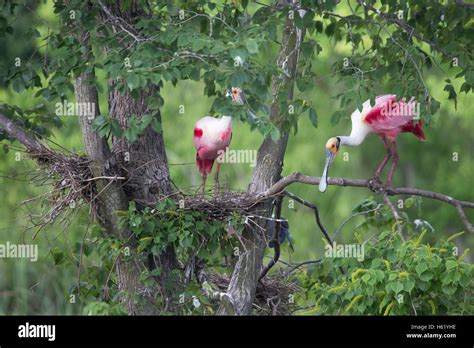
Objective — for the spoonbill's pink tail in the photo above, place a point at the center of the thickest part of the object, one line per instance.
(204, 165)
(416, 129)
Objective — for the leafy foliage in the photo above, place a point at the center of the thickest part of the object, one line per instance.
(225, 44)
(194, 238)
(395, 277)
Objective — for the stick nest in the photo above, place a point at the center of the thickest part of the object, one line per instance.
(70, 181)
(220, 206)
(272, 296)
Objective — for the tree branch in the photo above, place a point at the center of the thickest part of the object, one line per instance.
(275, 239)
(396, 215)
(316, 213)
(16, 132)
(376, 187)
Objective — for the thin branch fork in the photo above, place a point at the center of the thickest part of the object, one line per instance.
(376, 187)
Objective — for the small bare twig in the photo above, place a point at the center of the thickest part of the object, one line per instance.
(398, 219)
(351, 217)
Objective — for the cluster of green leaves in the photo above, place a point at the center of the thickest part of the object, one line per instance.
(188, 230)
(192, 235)
(224, 45)
(30, 119)
(106, 126)
(388, 56)
(397, 276)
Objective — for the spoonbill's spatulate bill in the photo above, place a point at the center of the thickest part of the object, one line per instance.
(387, 118)
(323, 184)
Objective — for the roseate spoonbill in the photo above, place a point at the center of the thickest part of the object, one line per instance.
(211, 138)
(387, 118)
(236, 95)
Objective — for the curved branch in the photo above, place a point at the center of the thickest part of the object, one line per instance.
(376, 187)
(353, 216)
(316, 213)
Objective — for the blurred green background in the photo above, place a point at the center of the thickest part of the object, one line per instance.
(43, 288)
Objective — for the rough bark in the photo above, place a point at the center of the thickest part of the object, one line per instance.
(111, 197)
(144, 161)
(267, 172)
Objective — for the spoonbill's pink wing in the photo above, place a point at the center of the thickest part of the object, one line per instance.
(388, 114)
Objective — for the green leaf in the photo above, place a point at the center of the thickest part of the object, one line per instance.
(275, 134)
(426, 276)
(251, 46)
(421, 267)
(58, 256)
(133, 81)
(384, 234)
(449, 289)
(397, 287)
(450, 264)
(156, 126)
(409, 202)
(409, 285)
(313, 116)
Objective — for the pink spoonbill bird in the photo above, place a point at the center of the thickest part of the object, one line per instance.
(211, 138)
(387, 118)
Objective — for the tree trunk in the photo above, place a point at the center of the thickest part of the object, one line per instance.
(111, 197)
(144, 162)
(267, 172)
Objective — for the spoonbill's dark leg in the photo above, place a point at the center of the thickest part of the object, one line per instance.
(394, 163)
(216, 178)
(386, 159)
(204, 177)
